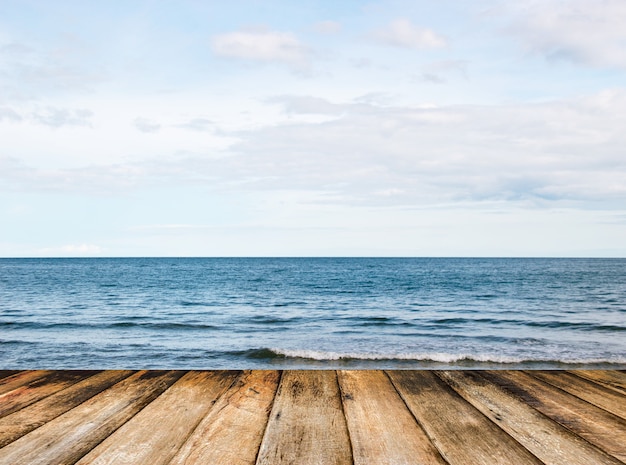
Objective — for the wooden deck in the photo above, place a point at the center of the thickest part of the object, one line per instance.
(313, 417)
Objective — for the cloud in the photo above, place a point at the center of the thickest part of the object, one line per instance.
(307, 105)
(401, 33)
(72, 250)
(589, 32)
(263, 46)
(32, 71)
(16, 175)
(407, 156)
(364, 153)
(146, 125)
(9, 114)
(197, 124)
(58, 117)
(327, 27)
(438, 72)
(430, 77)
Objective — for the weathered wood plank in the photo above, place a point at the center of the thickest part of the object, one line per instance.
(154, 435)
(306, 425)
(25, 420)
(593, 393)
(7, 373)
(609, 378)
(547, 440)
(231, 432)
(460, 432)
(382, 430)
(605, 430)
(19, 379)
(68, 437)
(38, 389)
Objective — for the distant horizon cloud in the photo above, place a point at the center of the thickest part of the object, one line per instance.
(88, 250)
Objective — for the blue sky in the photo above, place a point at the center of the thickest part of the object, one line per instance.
(274, 128)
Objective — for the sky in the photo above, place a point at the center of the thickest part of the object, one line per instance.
(317, 128)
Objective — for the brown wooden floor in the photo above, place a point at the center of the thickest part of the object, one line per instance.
(306, 417)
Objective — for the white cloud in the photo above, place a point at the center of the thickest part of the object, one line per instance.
(538, 153)
(401, 33)
(58, 117)
(30, 72)
(584, 31)
(146, 125)
(72, 250)
(439, 72)
(197, 124)
(431, 77)
(263, 46)
(9, 114)
(307, 105)
(566, 152)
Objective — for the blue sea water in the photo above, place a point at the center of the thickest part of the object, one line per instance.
(211, 313)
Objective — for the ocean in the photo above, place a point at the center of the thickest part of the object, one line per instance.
(269, 313)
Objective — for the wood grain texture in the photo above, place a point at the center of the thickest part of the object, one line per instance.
(306, 425)
(601, 428)
(593, 393)
(459, 431)
(156, 433)
(547, 440)
(6, 373)
(37, 389)
(19, 379)
(611, 379)
(382, 430)
(68, 437)
(27, 419)
(306, 417)
(231, 432)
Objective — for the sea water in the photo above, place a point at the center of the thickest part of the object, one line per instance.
(213, 313)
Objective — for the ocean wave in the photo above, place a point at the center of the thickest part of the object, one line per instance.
(582, 326)
(552, 324)
(426, 357)
(104, 326)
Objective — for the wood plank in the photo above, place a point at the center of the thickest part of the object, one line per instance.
(593, 393)
(547, 440)
(68, 437)
(609, 378)
(25, 420)
(382, 430)
(154, 435)
(306, 425)
(19, 379)
(7, 373)
(460, 432)
(38, 389)
(231, 433)
(596, 425)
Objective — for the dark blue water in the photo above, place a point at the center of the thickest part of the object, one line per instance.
(312, 312)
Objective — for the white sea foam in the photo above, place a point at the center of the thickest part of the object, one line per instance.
(437, 357)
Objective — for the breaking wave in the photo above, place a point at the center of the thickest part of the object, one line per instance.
(426, 357)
